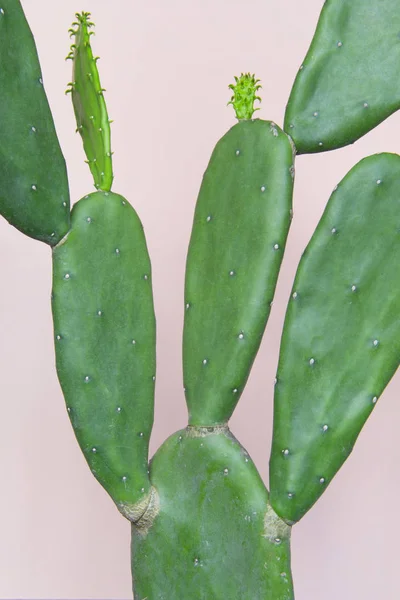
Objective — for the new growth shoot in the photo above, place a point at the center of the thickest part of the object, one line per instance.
(244, 95)
(89, 104)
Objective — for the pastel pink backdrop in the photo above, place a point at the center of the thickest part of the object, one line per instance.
(166, 66)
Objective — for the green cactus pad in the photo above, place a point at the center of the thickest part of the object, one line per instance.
(105, 342)
(89, 104)
(212, 534)
(341, 339)
(239, 233)
(349, 80)
(34, 194)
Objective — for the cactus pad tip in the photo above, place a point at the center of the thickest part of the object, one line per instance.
(244, 95)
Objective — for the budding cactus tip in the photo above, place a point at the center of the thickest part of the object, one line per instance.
(83, 18)
(92, 118)
(79, 28)
(244, 95)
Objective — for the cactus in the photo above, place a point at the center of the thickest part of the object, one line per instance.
(206, 482)
(105, 341)
(347, 83)
(89, 105)
(246, 189)
(346, 287)
(103, 309)
(34, 194)
(203, 523)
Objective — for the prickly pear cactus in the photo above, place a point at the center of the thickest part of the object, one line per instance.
(346, 287)
(241, 222)
(103, 310)
(34, 194)
(348, 82)
(213, 533)
(203, 523)
(105, 341)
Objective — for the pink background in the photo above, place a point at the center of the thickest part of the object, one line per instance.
(166, 66)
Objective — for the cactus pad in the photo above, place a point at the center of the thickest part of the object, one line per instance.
(341, 338)
(34, 194)
(348, 82)
(214, 535)
(105, 342)
(239, 233)
(89, 104)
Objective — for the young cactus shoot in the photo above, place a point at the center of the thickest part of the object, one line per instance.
(244, 95)
(89, 104)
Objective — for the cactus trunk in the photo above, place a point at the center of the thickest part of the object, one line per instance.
(215, 534)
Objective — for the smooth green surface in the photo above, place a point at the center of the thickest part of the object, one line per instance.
(34, 194)
(349, 80)
(241, 222)
(89, 104)
(105, 340)
(210, 540)
(341, 338)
